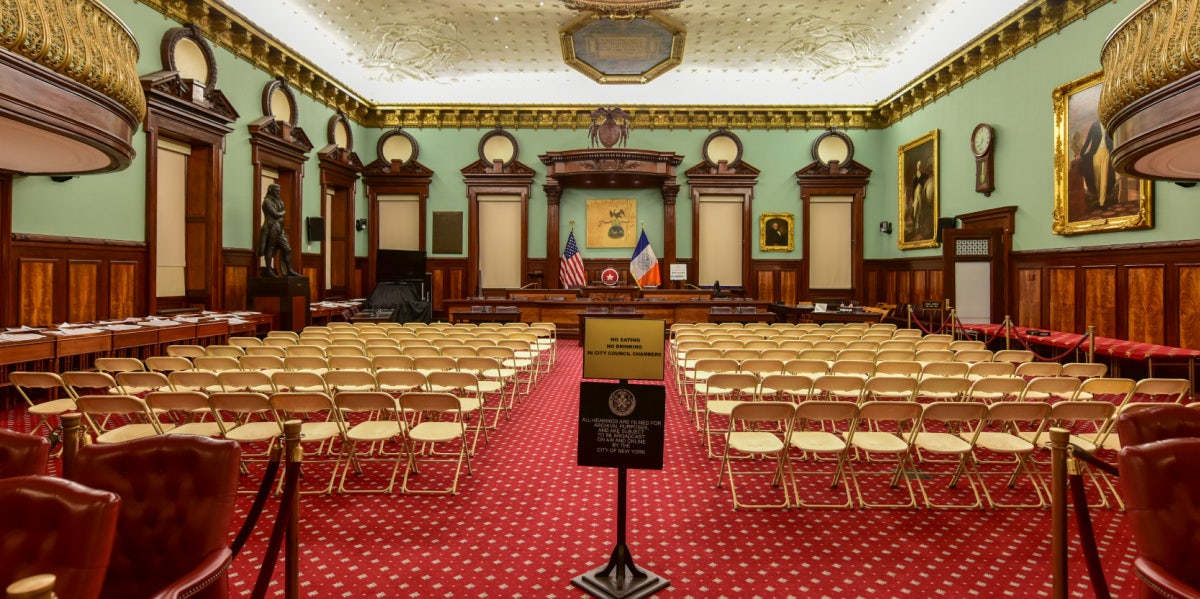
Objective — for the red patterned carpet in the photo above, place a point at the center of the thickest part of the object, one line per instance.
(529, 520)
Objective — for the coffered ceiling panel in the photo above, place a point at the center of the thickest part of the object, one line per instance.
(785, 52)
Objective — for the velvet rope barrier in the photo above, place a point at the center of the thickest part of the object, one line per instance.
(989, 340)
(285, 520)
(260, 499)
(1083, 518)
(917, 320)
(1019, 337)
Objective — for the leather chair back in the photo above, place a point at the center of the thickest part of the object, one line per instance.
(177, 494)
(54, 526)
(1167, 421)
(21, 454)
(1161, 485)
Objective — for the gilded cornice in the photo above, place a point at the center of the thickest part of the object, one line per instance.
(79, 40)
(1022, 29)
(1155, 46)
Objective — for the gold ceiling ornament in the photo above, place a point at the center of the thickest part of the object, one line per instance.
(1024, 28)
(1157, 45)
(622, 9)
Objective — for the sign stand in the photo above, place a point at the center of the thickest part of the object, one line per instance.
(628, 582)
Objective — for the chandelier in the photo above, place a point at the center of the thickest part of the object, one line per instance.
(622, 9)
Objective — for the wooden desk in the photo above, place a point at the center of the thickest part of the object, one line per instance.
(374, 315)
(475, 317)
(139, 342)
(583, 316)
(756, 316)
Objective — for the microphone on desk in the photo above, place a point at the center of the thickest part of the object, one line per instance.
(694, 287)
(529, 284)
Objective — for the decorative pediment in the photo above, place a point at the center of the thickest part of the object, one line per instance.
(704, 169)
(341, 157)
(281, 132)
(609, 168)
(190, 94)
(412, 168)
(479, 167)
(834, 169)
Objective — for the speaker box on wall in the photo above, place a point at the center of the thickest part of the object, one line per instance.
(315, 228)
(945, 223)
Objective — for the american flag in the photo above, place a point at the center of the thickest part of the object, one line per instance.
(570, 268)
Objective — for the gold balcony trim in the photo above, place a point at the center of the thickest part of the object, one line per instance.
(1155, 46)
(1021, 30)
(81, 40)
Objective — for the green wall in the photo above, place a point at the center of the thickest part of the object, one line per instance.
(1014, 98)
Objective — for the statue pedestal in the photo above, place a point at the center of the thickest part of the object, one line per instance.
(286, 299)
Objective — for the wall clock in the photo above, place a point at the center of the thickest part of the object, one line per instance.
(983, 142)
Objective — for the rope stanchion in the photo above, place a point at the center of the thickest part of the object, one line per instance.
(260, 499)
(1083, 518)
(989, 340)
(1021, 338)
(1091, 333)
(1058, 512)
(914, 318)
(1007, 331)
(285, 521)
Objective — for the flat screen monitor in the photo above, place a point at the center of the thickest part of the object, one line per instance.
(399, 265)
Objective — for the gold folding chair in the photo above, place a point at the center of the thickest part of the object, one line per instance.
(116, 418)
(195, 380)
(785, 387)
(995, 389)
(884, 428)
(465, 386)
(1084, 370)
(822, 428)
(838, 387)
(938, 388)
(1002, 437)
(398, 382)
(381, 423)
(321, 425)
(246, 417)
(722, 391)
(1016, 356)
(300, 381)
(340, 381)
(889, 388)
(436, 422)
(141, 382)
(188, 408)
(49, 383)
(949, 429)
(751, 441)
(1050, 389)
(168, 364)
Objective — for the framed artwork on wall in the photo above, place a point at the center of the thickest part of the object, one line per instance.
(918, 192)
(775, 231)
(1090, 196)
(612, 223)
(447, 232)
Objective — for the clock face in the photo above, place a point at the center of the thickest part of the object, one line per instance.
(981, 140)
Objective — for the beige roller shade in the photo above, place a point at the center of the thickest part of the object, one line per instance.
(400, 222)
(720, 240)
(500, 251)
(171, 242)
(830, 253)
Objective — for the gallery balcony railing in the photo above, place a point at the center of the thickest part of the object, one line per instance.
(1151, 88)
(79, 72)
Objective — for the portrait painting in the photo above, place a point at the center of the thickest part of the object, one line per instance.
(1090, 196)
(612, 223)
(775, 232)
(918, 192)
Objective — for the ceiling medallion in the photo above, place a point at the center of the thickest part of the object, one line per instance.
(622, 9)
(632, 50)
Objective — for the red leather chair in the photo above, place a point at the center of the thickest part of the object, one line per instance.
(21, 454)
(54, 526)
(1161, 484)
(1167, 421)
(177, 500)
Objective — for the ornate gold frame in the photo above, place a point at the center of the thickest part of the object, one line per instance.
(1065, 121)
(921, 234)
(765, 218)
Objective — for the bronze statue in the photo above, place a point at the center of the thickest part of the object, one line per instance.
(272, 237)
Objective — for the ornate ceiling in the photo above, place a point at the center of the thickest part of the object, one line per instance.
(857, 52)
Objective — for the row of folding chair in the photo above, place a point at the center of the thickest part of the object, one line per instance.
(342, 431)
(823, 452)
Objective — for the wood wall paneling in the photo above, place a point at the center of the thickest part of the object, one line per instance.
(239, 267)
(82, 282)
(1062, 299)
(1029, 298)
(122, 289)
(1189, 307)
(1100, 301)
(1144, 306)
(35, 288)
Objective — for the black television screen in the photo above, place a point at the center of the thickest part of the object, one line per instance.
(399, 265)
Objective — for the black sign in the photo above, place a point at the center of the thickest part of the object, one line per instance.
(931, 305)
(621, 426)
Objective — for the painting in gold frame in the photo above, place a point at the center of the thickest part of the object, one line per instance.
(1089, 195)
(611, 223)
(918, 192)
(775, 231)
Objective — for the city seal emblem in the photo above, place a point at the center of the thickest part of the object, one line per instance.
(622, 402)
